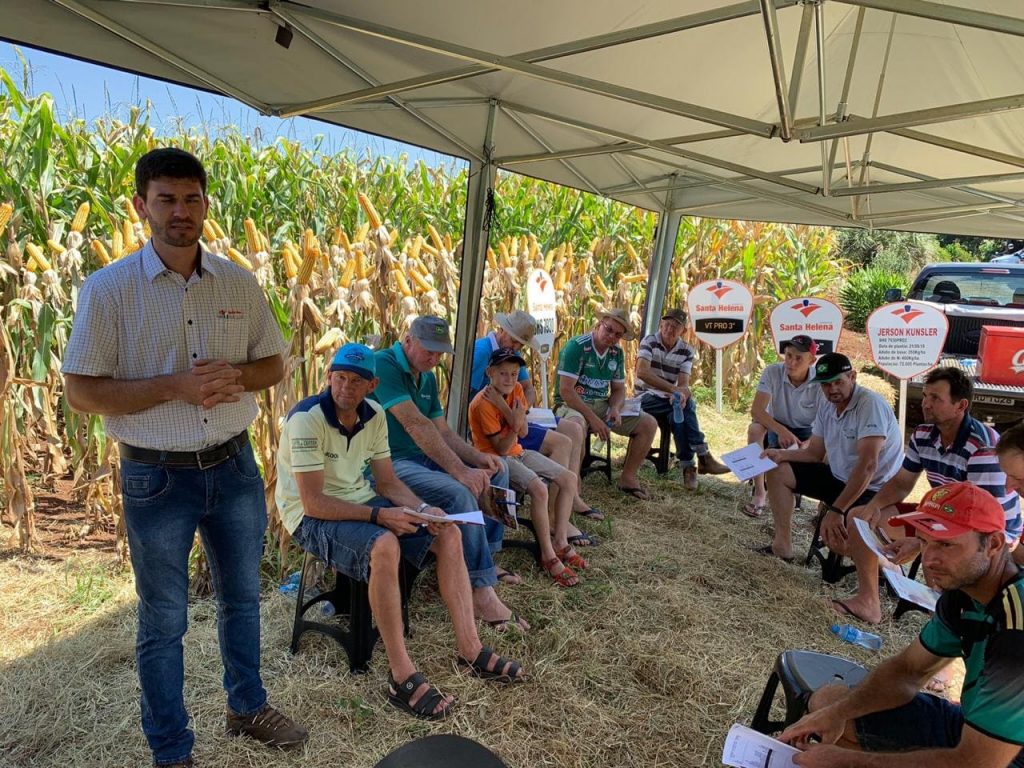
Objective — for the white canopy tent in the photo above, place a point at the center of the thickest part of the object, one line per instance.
(899, 114)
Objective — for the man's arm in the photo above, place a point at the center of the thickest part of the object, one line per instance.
(424, 432)
(894, 491)
(616, 397)
(975, 750)
(529, 393)
(572, 399)
(814, 451)
(317, 504)
(392, 488)
(759, 413)
(868, 451)
(466, 453)
(650, 378)
(261, 374)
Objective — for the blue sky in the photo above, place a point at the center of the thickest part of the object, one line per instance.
(90, 91)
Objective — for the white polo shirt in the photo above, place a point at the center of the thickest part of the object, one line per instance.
(313, 439)
(866, 415)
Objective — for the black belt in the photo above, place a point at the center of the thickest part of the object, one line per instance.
(205, 459)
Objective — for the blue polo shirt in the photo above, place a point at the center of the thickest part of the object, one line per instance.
(397, 384)
(482, 349)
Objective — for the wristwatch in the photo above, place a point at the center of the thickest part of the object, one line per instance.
(374, 511)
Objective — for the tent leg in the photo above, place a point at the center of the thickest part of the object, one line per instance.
(476, 233)
(661, 264)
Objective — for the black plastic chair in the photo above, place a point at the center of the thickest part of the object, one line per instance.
(442, 751)
(661, 454)
(595, 463)
(833, 568)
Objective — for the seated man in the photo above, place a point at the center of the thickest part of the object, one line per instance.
(497, 417)
(591, 390)
(327, 504)
(784, 407)
(563, 444)
(857, 429)
(1010, 452)
(438, 465)
(978, 618)
(951, 446)
(663, 367)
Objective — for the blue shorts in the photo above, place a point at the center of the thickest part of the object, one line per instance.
(771, 440)
(346, 544)
(534, 437)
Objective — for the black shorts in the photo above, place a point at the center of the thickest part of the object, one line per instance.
(817, 481)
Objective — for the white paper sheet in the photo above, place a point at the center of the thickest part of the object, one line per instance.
(746, 462)
(475, 517)
(542, 417)
(874, 543)
(630, 407)
(911, 590)
(746, 748)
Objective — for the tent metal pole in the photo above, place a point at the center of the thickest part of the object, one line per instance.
(819, 35)
(661, 264)
(959, 146)
(591, 187)
(914, 186)
(476, 233)
(771, 31)
(847, 82)
(800, 56)
(965, 17)
(604, 149)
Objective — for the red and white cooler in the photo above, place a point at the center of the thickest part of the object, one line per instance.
(1001, 355)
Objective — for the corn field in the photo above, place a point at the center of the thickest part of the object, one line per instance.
(345, 248)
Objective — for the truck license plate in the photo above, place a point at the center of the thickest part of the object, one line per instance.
(990, 400)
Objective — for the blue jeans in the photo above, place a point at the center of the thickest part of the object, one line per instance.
(163, 507)
(688, 438)
(435, 486)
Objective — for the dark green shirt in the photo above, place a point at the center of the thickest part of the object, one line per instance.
(990, 639)
(397, 384)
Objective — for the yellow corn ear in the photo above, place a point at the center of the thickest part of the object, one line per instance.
(288, 256)
(534, 247)
(435, 238)
(346, 275)
(308, 243)
(506, 260)
(549, 260)
(568, 249)
(417, 245)
(81, 216)
(116, 245)
(638, 278)
(403, 284)
(209, 233)
(343, 241)
(360, 264)
(431, 249)
(236, 256)
(420, 280)
(336, 238)
(217, 229)
(128, 233)
(392, 238)
(593, 244)
(252, 237)
(371, 212)
(35, 254)
(129, 210)
(600, 284)
(6, 211)
(448, 243)
(54, 246)
(306, 268)
(492, 260)
(99, 250)
(560, 279)
(361, 233)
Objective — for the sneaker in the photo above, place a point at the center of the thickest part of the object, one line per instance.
(709, 465)
(690, 478)
(269, 725)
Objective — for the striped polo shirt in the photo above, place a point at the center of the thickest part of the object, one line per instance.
(970, 458)
(666, 363)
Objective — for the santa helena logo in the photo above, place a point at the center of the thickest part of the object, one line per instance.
(907, 313)
(805, 307)
(540, 280)
(719, 290)
(1017, 363)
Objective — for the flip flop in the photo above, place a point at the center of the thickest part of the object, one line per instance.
(841, 608)
(593, 513)
(636, 492)
(504, 625)
(766, 550)
(583, 539)
(509, 577)
(750, 509)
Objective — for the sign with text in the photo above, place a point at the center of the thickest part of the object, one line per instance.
(720, 311)
(907, 337)
(540, 302)
(818, 318)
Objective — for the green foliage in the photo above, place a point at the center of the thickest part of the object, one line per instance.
(864, 292)
(90, 590)
(954, 251)
(900, 252)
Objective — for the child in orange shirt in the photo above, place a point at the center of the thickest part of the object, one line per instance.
(497, 419)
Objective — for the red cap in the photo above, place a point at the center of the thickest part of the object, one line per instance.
(953, 510)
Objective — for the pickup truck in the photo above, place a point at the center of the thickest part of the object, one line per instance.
(971, 296)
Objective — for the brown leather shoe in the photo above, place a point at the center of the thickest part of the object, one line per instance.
(270, 726)
(709, 465)
(690, 478)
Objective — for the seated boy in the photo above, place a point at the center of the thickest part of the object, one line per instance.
(497, 419)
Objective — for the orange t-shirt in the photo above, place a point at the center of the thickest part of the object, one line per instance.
(485, 421)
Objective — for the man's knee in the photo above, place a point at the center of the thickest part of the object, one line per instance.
(646, 427)
(538, 492)
(384, 554)
(571, 429)
(756, 432)
(827, 694)
(448, 543)
(566, 482)
(781, 477)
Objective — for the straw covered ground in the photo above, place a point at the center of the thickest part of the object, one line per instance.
(667, 642)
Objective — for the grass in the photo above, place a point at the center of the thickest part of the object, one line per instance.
(668, 640)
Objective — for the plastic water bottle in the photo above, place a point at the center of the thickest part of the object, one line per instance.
(677, 408)
(856, 636)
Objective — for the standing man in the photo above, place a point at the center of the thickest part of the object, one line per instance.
(857, 433)
(663, 367)
(951, 446)
(884, 722)
(436, 464)
(592, 389)
(169, 344)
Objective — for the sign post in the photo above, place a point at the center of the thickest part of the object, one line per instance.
(818, 318)
(540, 303)
(906, 340)
(720, 312)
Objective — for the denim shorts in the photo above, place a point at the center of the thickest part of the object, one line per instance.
(346, 544)
(771, 440)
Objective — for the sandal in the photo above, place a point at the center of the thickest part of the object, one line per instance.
(572, 558)
(583, 539)
(592, 513)
(513, 671)
(509, 577)
(750, 509)
(503, 625)
(400, 695)
(564, 577)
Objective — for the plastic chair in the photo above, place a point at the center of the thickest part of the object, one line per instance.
(442, 751)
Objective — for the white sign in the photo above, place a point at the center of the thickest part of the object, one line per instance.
(540, 303)
(818, 318)
(907, 337)
(720, 311)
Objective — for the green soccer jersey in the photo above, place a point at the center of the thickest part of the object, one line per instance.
(592, 372)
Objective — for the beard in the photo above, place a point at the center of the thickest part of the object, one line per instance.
(176, 235)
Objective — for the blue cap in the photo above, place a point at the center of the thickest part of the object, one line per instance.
(357, 358)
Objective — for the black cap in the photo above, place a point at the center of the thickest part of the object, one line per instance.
(830, 367)
(801, 343)
(505, 355)
(432, 333)
(675, 314)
